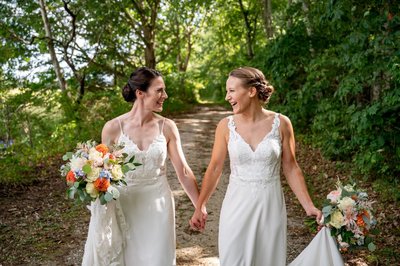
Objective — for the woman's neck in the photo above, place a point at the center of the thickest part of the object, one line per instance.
(139, 115)
(254, 113)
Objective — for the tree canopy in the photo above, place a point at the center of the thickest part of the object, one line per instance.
(335, 66)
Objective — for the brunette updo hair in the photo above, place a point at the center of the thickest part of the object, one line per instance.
(140, 79)
(252, 77)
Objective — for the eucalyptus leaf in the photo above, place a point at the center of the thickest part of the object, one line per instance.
(102, 199)
(68, 156)
(71, 192)
(371, 247)
(327, 210)
(108, 197)
(86, 169)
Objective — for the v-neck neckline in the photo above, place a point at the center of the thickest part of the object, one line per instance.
(137, 147)
(262, 140)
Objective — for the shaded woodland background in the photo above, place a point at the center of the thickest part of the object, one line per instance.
(335, 65)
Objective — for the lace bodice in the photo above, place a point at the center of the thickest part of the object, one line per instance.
(152, 160)
(260, 166)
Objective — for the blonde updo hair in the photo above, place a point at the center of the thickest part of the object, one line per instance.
(252, 77)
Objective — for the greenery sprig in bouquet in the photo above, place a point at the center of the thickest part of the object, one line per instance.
(93, 171)
(348, 213)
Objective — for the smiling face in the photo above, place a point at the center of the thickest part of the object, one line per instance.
(237, 95)
(155, 95)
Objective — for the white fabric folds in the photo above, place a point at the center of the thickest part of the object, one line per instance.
(322, 251)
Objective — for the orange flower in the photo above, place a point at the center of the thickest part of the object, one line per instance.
(101, 184)
(112, 157)
(360, 221)
(70, 177)
(102, 148)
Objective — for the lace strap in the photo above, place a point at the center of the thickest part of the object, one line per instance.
(162, 126)
(276, 124)
(231, 123)
(120, 126)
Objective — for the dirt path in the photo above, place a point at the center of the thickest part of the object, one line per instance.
(39, 227)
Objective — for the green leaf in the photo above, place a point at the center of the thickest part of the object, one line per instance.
(82, 195)
(371, 247)
(108, 197)
(102, 199)
(125, 169)
(327, 210)
(67, 156)
(76, 184)
(71, 192)
(130, 165)
(87, 169)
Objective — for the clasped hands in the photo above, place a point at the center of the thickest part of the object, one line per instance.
(198, 220)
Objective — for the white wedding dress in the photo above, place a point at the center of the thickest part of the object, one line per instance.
(252, 229)
(138, 228)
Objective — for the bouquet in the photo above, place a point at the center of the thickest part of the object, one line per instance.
(93, 171)
(348, 213)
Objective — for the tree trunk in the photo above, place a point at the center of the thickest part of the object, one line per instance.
(50, 45)
(148, 27)
(267, 18)
(249, 39)
(289, 20)
(149, 55)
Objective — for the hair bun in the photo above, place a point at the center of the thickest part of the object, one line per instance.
(128, 93)
(265, 91)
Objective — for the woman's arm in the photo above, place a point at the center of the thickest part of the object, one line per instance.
(292, 170)
(212, 175)
(110, 132)
(177, 157)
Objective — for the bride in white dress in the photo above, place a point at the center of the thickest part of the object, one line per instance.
(139, 228)
(252, 229)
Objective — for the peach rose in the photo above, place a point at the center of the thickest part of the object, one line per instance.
(71, 178)
(101, 184)
(102, 148)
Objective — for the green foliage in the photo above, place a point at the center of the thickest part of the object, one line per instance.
(335, 66)
(336, 71)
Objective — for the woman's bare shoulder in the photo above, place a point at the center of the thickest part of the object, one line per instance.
(111, 129)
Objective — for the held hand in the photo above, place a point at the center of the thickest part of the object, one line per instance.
(198, 220)
(313, 211)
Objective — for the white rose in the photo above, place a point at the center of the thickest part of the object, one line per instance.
(91, 190)
(96, 157)
(336, 219)
(93, 175)
(346, 203)
(113, 191)
(116, 172)
(77, 163)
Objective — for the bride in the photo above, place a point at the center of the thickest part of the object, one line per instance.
(252, 229)
(139, 227)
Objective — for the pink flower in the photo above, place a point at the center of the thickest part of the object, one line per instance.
(334, 195)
